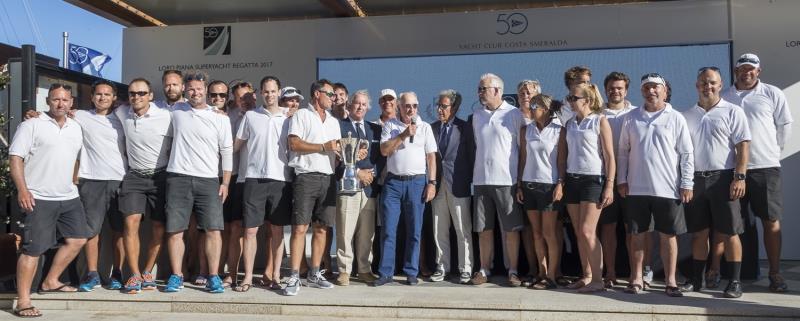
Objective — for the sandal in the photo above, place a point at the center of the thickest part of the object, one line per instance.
(609, 283)
(563, 281)
(777, 284)
(200, 280)
(242, 287)
(35, 313)
(544, 284)
(673, 291)
(634, 288)
(592, 289)
(577, 285)
(275, 286)
(59, 289)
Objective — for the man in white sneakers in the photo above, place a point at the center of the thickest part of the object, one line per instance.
(313, 141)
(656, 168)
(42, 158)
(721, 143)
(770, 123)
(201, 141)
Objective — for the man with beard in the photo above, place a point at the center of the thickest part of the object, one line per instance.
(172, 80)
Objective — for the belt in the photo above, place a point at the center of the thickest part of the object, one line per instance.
(147, 173)
(711, 173)
(315, 174)
(403, 177)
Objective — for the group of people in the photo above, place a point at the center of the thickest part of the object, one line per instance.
(217, 162)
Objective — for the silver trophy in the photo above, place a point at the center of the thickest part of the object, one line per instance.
(350, 146)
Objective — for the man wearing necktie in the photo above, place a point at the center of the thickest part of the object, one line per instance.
(452, 204)
(355, 213)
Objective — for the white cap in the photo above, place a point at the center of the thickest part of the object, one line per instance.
(388, 92)
(653, 78)
(290, 92)
(748, 59)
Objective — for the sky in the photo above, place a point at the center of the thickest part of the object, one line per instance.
(44, 21)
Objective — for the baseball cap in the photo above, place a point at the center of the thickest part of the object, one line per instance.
(653, 78)
(290, 92)
(388, 92)
(748, 59)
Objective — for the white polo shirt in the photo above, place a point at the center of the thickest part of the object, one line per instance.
(164, 105)
(267, 145)
(103, 153)
(49, 153)
(409, 158)
(615, 119)
(583, 143)
(308, 126)
(655, 155)
(202, 137)
(766, 108)
(148, 138)
(715, 134)
(541, 148)
(235, 115)
(496, 145)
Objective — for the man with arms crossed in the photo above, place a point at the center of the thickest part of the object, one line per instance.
(770, 123)
(656, 167)
(721, 149)
(148, 134)
(202, 139)
(496, 127)
(41, 157)
(313, 142)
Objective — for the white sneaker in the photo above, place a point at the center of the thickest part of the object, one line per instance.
(647, 276)
(318, 280)
(292, 286)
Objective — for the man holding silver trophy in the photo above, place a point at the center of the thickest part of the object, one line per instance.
(358, 190)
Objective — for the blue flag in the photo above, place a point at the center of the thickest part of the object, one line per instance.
(87, 60)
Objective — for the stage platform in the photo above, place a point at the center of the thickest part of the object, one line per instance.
(439, 301)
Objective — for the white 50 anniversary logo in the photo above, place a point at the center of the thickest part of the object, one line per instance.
(513, 23)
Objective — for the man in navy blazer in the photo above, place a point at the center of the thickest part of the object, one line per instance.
(356, 212)
(454, 163)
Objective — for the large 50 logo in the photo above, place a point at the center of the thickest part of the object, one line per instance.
(514, 23)
(217, 40)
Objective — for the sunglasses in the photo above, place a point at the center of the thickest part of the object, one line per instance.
(330, 94)
(218, 95)
(482, 89)
(295, 91)
(747, 60)
(442, 106)
(573, 98)
(138, 93)
(704, 69)
(198, 77)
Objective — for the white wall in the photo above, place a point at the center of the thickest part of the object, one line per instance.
(289, 49)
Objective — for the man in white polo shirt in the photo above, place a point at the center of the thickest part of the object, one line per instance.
(263, 134)
(172, 80)
(102, 166)
(496, 127)
(148, 134)
(656, 167)
(721, 143)
(42, 158)
(410, 148)
(313, 141)
(770, 123)
(201, 141)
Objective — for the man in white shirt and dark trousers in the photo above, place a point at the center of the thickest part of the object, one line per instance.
(42, 157)
(202, 139)
(313, 142)
(721, 143)
(102, 166)
(496, 127)
(410, 148)
(770, 123)
(656, 170)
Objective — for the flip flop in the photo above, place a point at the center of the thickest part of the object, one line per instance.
(59, 289)
(634, 288)
(243, 288)
(275, 286)
(200, 280)
(577, 285)
(18, 312)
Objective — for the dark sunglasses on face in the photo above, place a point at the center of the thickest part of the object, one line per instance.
(138, 93)
(747, 60)
(330, 94)
(218, 95)
(573, 98)
(482, 89)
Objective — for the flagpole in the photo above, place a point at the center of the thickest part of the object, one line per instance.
(65, 58)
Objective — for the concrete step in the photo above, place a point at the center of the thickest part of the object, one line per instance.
(436, 301)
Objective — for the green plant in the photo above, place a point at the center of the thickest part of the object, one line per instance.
(5, 77)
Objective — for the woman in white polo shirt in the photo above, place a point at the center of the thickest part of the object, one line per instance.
(586, 163)
(539, 188)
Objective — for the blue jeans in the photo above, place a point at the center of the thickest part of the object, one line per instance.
(401, 197)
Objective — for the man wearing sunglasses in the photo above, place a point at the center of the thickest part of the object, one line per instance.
(42, 156)
(313, 141)
(172, 80)
(218, 95)
(202, 140)
(770, 123)
(148, 134)
(721, 147)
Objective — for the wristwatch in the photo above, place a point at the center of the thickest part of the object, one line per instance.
(432, 181)
(739, 176)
